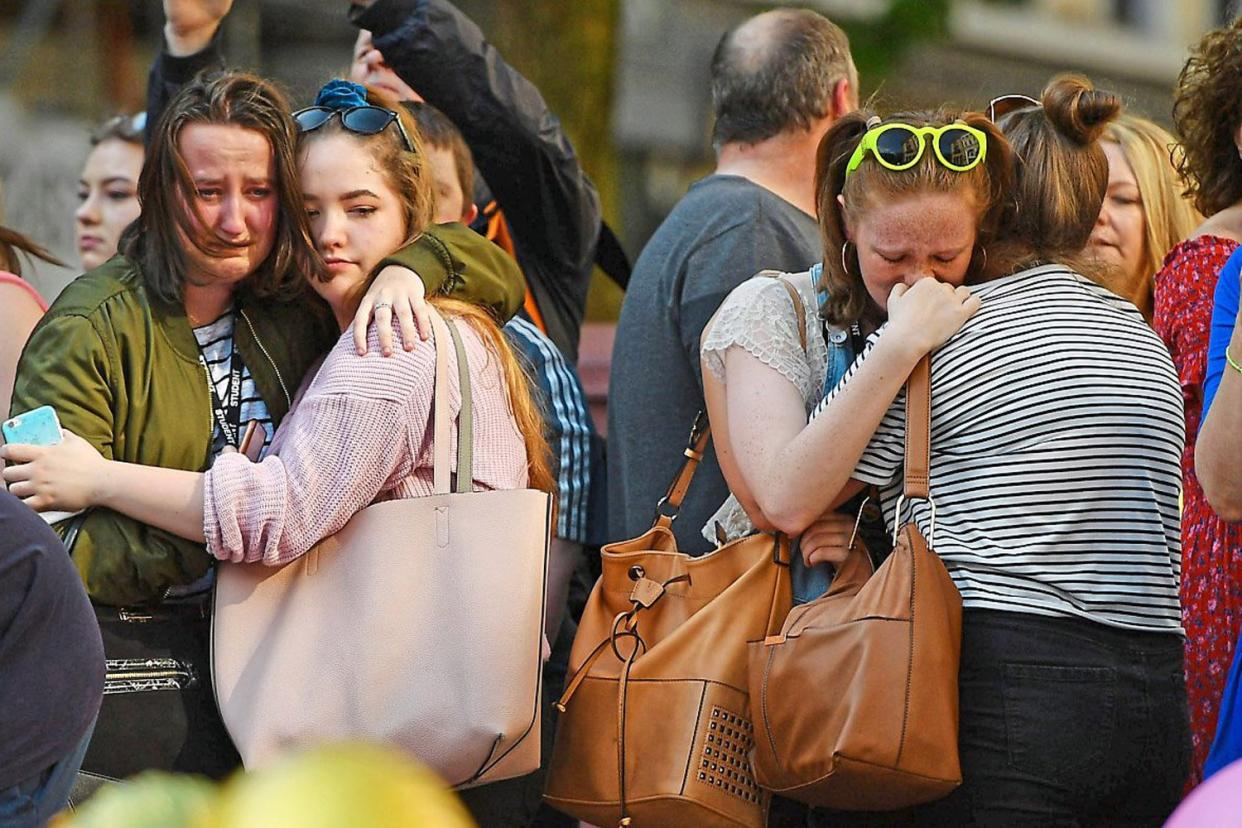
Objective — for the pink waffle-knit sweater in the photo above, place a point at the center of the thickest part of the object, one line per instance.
(359, 433)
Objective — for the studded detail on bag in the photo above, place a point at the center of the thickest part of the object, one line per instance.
(725, 760)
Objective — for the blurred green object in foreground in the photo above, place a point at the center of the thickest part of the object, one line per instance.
(338, 786)
(148, 800)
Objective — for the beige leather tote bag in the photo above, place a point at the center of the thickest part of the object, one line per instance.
(419, 624)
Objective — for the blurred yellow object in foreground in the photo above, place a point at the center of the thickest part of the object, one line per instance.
(339, 786)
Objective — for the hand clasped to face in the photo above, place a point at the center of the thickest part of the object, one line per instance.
(906, 239)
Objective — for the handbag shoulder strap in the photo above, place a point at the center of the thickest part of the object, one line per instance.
(799, 307)
(700, 432)
(918, 430)
(465, 417)
(445, 332)
(666, 509)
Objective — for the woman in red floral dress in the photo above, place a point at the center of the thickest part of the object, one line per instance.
(1205, 111)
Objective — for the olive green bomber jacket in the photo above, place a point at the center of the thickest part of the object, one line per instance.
(121, 368)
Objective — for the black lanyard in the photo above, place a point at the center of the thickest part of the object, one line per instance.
(227, 411)
(857, 339)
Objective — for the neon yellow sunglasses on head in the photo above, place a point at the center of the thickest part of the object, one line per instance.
(898, 146)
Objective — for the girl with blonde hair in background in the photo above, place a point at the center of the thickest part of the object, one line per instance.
(1145, 213)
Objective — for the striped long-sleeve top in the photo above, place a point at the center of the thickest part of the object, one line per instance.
(1056, 428)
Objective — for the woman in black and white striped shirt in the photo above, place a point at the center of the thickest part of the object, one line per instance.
(1056, 430)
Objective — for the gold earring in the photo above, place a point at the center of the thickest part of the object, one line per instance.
(845, 268)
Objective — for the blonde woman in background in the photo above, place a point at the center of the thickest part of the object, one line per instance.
(1144, 214)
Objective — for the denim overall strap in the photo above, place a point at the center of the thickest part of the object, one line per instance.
(843, 346)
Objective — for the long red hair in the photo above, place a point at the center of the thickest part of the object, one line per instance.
(517, 388)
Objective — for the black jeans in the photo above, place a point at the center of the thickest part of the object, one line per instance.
(1064, 722)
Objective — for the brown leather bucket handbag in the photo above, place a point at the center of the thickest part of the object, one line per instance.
(655, 728)
(855, 701)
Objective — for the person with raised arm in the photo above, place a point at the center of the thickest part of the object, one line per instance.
(166, 354)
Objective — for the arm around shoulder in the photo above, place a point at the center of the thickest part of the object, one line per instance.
(453, 260)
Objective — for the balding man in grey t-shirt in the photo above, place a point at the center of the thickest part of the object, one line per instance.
(779, 80)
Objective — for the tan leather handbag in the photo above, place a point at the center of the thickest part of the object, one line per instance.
(855, 700)
(418, 625)
(654, 726)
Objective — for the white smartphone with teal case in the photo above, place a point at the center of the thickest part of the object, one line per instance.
(37, 427)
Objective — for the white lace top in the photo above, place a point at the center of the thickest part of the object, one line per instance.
(758, 316)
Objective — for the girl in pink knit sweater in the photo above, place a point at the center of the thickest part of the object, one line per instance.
(361, 428)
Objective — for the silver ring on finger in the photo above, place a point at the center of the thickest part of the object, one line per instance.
(379, 305)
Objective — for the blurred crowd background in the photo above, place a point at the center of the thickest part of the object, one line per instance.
(629, 78)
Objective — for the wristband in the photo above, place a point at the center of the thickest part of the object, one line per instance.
(1232, 362)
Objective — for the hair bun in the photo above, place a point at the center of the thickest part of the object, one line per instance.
(1077, 109)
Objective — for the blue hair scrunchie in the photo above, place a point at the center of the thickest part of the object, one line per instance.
(341, 94)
